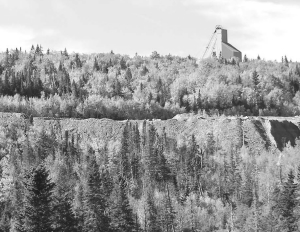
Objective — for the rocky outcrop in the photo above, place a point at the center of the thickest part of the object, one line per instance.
(257, 133)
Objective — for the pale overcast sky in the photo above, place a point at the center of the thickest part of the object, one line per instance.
(269, 28)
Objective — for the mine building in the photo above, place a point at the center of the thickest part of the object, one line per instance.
(218, 46)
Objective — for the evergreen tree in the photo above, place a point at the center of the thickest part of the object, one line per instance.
(288, 203)
(123, 64)
(152, 219)
(45, 146)
(74, 89)
(297, 70)
(96, 66)
(255, 79)
(65, 53)
(65, 219)
(128, 75)
(41, 50)
(170, 213)
(37, 50)
(77, 61)
(96, 213)
(117, 88)
(286, 61)
(38, 201)
(187, 105)
(162, 169)
(32, 50)
(1, 85)
(122, 215)
(6, 59)
(124, 166)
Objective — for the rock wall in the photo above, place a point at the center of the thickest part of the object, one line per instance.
(257, 133)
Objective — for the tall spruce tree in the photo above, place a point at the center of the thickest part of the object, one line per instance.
(65, 219)
(96, 203)
(288, 203)
(123, 219)
(124, 166)
(169, 212)
(152, 215)
(38, 201)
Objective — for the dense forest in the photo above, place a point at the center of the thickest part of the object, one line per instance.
(52, 180)
(59, 84)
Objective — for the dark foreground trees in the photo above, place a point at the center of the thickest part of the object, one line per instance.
(38, 201)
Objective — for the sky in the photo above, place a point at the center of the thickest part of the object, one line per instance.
(269, 28)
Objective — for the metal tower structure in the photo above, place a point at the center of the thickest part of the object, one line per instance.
(218, 46)
(213, 39)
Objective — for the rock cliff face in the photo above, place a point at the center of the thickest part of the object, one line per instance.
(257, 133)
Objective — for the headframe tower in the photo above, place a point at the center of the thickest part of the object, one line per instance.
(218, 45)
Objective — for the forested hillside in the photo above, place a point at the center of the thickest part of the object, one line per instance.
(59, 84)
(214, 174)
(191, 172)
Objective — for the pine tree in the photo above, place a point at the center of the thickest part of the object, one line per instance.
(122, 214)
(187, 105)
(38, 200)
(1, 85)
(65, 219)
(297, 70)
(6, 85)
(41, 50)
(65, 53)
(152, 219)
(74, 89)
(255, 79)
(289, 203)
(169, 214)
(96, 210)
(286, 61)
(123, 64)
(78, 61)
(162, 169)
(124, 166)
(6, 59)
(44, 146)
(128, 75)
(32, 50)
(151, 154)
(37, 50)
(96, 66)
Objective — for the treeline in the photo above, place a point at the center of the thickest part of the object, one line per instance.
(59, 84)
(54, 181)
